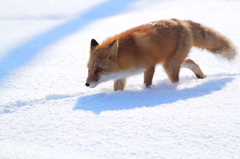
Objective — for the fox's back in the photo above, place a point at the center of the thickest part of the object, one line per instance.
(153, 41)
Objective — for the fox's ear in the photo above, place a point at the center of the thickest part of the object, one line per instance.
(113, 49)
(94, 43)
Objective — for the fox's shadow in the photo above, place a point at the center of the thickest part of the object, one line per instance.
(98, 103)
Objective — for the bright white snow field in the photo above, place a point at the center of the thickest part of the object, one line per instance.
(48, 112)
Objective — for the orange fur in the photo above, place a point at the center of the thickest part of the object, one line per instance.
(141, 48)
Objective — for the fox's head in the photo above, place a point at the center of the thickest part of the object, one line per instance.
(102, 62)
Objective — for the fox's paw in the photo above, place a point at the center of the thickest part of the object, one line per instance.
(146, 85)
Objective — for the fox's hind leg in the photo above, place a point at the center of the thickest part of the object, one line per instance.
(190, 64)
(173, 63)
(172, 69)
(120, 84)
(148, 76)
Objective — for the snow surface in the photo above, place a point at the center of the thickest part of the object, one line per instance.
(47, 112)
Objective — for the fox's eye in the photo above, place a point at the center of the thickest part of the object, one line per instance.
(99, 70)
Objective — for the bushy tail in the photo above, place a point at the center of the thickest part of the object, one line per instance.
(207, 38)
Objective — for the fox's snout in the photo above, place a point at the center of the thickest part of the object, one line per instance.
(92, 84)
(92, 80)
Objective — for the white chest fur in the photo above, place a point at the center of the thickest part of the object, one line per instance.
(121, 74)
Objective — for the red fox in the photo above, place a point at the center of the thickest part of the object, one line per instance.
(140, 49)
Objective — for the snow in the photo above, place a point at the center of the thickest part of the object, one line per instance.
(48, 112)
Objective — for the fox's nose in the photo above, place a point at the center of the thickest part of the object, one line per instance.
(87, 84)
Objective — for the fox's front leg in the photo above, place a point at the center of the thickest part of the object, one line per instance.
(148, 76)
(120, 84)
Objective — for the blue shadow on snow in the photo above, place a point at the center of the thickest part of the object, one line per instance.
(22, 54)
(98, 103)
